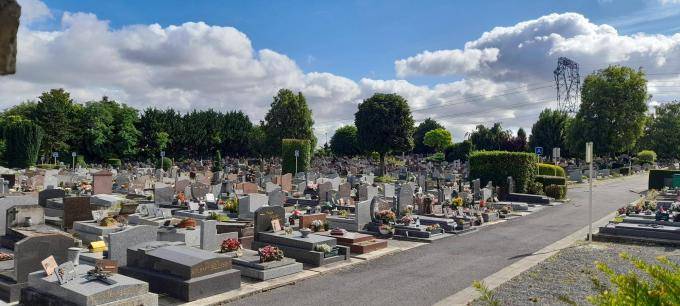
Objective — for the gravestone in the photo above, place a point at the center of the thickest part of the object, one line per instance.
(276, 198)
(269, 187)
(324, 190)
(199, 190)
(363, 213)
(181, 185)
(247, 187)
(76, 209)
(30, 251)
(49, 194)
(389, 190)
(51, 179)
(345, 190)
(209, 235)
(287, 182)
(163, 195)
(120, 241)
(247, 205)
(476, 189)
(102, 182)
(367, 192)
(511, 185)
(264, 216)
(405, 197)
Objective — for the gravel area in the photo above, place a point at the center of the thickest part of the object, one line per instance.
(567, 277)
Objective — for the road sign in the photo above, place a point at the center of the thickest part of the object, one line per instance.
(297, 153)
(539, 151)
(162, 153)
(55, 154)
(73, 154)
(589, 152)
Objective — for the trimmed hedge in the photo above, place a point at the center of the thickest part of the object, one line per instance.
(551, 180)
(556, 191)
(288, 147)
(114, 162)
(496, 166)
(459, 151)
(552, 170)
(657, 177)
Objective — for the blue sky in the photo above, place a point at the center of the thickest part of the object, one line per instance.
(359, 39)
(462, 63)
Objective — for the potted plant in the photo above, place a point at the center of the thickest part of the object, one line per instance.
(387, 216)
(231, 245)
(327, 250)
(270, 253)
(316, 226)
(458, 202)
(305, 232)
(188, 223)
(295, 215)
(343, 213)
(386, 229)
(406, 220)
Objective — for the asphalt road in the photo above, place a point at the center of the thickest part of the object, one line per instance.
(428, 274)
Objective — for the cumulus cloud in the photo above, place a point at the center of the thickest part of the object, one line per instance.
(34, 10)
(445, 62)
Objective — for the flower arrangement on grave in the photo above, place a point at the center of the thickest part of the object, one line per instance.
(433, 227)
(230, 245)
(288, 230)
(506, 209)
(181, 198)
(343, 213)
(218, 217)
(6, 256)
(324, 248)
(231, 205)
(406, 220)
(108, 222)
(460, 221)
(387, 216)
(316, 226)
(482, 203)
(386, 229)
(188, 223)
(270, 253)
(408, 210)
(458, 202)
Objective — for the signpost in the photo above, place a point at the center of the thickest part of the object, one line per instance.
(556, 155)
(297, 154)
(589, 160)
(55, 155)
(73, 156)
(538, 150)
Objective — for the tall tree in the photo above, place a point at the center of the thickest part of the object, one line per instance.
(384, 124)
(109, 130)
(438, 139)
(494, 138)
(517, 143)
(419, 134)
(612, 113)
(288, 117)
(55, 113)
(236, 129)
(661, 133)
(23, 139)
(550, 131)
(344, 142)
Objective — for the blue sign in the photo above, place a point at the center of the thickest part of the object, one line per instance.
(55, 154)
(539, 151)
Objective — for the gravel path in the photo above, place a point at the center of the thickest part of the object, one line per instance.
(566, 278)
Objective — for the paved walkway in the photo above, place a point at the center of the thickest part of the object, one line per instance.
(428, 274)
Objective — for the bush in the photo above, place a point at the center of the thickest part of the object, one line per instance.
(383, 179)
(657, 178)
(556, 191)
(496, 166)
(165, 163)
(22, 141)
(535, 188)
(548, 169)
(646, 156)
(551, 180)
(288, 147)
(460, 151)
(436, 157)
(624, 171)
(114, 162)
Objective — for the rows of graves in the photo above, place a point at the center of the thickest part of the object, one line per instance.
(145, 236)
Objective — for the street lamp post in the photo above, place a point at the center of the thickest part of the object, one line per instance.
(589, 160)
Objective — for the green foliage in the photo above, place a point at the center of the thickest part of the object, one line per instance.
(496, 166)
(109, 130)
(658, 176)
(551, 180)
(436, 157)
(660, 284)
(23, 139)
(550, 131)
(661, 133)
(646, 156)
(494, 138)
(419, 134)
(258, 141)
(558, 192)
(458, 151)
(612, 111)
(165, 163)
(486, 296)
(217, 162)
(80, 161)
(288, 147)
(288, 118)
(384, 179)
(344, 142)
(114, 162)
(47, 166)
(375, 156)
(548, 169)
(535, 188)
(384, 124)
(55, 113)
(438, 139)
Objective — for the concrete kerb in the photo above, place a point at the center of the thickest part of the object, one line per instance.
(469, 294)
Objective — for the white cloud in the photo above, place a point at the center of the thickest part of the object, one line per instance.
(445, 62)
(33, 10)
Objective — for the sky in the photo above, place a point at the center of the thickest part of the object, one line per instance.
(462, 63)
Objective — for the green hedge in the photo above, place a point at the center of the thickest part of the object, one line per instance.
(114, 162)
(657, 177)
(459, 151)
(548, 169)
(551, 180)
(288, 147)
(22, 143)
(556, 191)
(496, 166)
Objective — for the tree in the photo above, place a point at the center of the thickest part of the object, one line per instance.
(438, 139)
(612, 112)
(646, 156)
(55, 113)
(489, 139)
(236, 129)
(109, 130)
(384, 124)
(288, 117)
(550, 131)
(23, 139)
(661, 133)
(344, 142)
(517, 143)
(258, 140)
(424, 127)
(458, 151)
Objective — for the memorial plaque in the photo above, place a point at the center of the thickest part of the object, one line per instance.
(276, 225)
(107, 265)
(66, 272)
(49, 264)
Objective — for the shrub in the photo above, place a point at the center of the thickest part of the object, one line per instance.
(646, 156)
(556, 191)
(660, 285)
(165, 163)
(548, 169)
(535, 188)
(496, 166)
(288, 147)
(80, 161)
(114, 162)
(657, 178)
(22, 141)
(383, 179)
(460, 151)
(551, 180)
(436, 157)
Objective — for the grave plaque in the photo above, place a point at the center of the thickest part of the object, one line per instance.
(49, 264)
(76, 209)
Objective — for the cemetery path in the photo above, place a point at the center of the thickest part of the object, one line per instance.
(428, 274)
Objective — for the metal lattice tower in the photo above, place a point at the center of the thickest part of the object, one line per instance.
(568, 84)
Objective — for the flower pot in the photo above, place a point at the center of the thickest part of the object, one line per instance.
(385, 231)
(305, 232)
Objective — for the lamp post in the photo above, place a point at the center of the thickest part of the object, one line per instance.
(589, 160)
